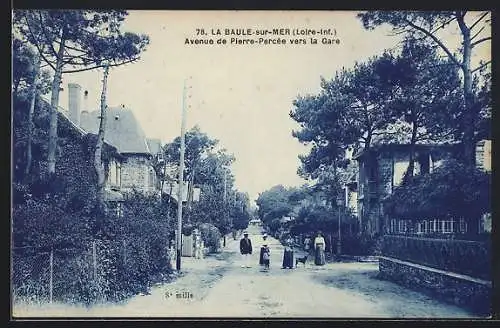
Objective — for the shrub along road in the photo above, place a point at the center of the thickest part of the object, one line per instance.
(218, 287)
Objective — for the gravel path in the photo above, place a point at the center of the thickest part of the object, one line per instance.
(218, 287)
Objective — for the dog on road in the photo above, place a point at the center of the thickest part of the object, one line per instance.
(301, 259)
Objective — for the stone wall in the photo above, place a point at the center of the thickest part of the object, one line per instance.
(385, 176)
(135, 173)
(471, 293)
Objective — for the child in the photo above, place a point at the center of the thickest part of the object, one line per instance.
(266, 256)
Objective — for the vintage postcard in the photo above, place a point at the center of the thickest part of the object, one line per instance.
(251, 164)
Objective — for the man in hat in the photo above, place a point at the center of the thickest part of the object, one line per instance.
(264, 243)
(245, 250)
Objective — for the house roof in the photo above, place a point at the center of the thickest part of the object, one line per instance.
(154, 145)
(399, 146)
(113, 196)
(122, 129)
(63, 114)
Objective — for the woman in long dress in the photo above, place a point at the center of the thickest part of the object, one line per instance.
(319, 247)
(288, 254)
(262, 249)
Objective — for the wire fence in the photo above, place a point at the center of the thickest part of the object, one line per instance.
(103, 270)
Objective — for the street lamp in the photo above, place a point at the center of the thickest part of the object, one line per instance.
(340, 202)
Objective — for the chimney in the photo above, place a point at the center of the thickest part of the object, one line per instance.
(85, 100)
(74, 102)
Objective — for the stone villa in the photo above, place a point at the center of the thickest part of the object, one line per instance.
(381, 169)
(133, 169)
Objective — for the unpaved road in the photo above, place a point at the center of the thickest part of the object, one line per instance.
(218, 287)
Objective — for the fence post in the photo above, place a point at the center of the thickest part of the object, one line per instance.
(94, 260)
(124, 252)
(51, 263)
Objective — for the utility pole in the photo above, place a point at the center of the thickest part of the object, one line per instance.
(181, 181)
(225, 202)
(340, 202)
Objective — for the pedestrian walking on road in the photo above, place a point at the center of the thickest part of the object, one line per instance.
(307, 244)
(288, 258)
(245, 250)
(319, 247)
(266, 257)
(262, 249)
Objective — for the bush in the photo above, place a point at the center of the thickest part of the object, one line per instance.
(210, 235)
(362, 244)
(58, 213)
(451, 190)
(131, 250)
(471, 258)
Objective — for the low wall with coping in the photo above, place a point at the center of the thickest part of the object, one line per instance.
(465, 291)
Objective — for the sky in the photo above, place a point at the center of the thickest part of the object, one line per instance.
(238, 94)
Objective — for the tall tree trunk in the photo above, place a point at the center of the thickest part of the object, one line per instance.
(33, 96)
(411, 164)
(191, 187)
(169, 199)
(54, 104)
(470, 115)
(366, 182)
(98, 164)
(16, 89)
(368, 140)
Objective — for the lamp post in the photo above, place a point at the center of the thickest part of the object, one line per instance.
(340, 202)
(180, 190)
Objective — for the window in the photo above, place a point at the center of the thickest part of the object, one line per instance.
(400, 168)
(112, 173)
(419, 228)
(424, 162)
(448, 226)
(151, 178)
(119, 211)
(439, 226)
(402, 226)
(433, 226)
(423, 227)
(118, 174)
(393, 226)
(462, 226)
(115, 208)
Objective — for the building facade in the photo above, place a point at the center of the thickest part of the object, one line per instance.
(133, 168)
(381, 170)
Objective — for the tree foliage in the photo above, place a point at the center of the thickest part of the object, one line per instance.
(452, 190)
(76, 40)
(208, 167)
(473, 28)
(23, 69)
(198, 145)
(350, 110)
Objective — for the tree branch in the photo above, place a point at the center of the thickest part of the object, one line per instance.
(483, 65)
(49, 42)
(385, 133)
(478, 20)
(478, 32)
(40, 51)
(73, 48)
(433, 37)
(479, 41)
(100, 66)
(432, 136)
(444, 24)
